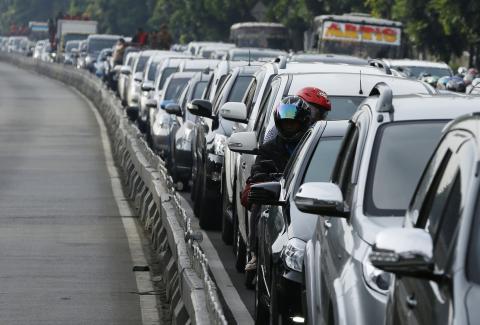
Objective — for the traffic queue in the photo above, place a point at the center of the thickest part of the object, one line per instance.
(335, 179)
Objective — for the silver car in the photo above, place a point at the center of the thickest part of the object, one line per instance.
(384, 153)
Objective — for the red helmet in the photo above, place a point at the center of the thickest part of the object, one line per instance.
(292, 117)
(316, 97)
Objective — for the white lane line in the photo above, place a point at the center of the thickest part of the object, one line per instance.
(222, 279)
(148, 303)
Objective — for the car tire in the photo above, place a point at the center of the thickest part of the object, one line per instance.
(261, 311)
(227, 225)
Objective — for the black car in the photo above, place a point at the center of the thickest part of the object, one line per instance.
(283, 230)
(436, 256)
(211, 133)
(181, 130)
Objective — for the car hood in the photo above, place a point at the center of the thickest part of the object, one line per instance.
(302, 225)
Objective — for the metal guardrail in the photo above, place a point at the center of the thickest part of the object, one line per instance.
(191, 290)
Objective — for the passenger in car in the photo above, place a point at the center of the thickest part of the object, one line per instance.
(293, 117)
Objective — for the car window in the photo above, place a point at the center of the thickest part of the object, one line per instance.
(219, 93)
(346, 160)
(265, 111)
(445, 237)
(320, 166)
(400, 155)
(296, 159)
(199, 89)
(175, 87)
(343, 107)
(152, 70)
(142, 61)
(239, 88)
(248, 99)
(167, 72)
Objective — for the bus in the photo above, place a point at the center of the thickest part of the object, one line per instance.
(356, 34)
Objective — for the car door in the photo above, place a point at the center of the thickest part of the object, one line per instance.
(334, 232)
(419, 301)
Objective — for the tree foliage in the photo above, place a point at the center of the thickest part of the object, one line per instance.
(440, 27)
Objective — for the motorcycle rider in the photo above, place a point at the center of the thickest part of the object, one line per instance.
(293, 117)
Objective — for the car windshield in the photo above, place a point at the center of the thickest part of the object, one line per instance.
(167, 72)
(343, 107)
(417, 72)
(321, 163)
(175, 87)
(96, 45)
(400, 154)
(70, 46)
(151, 71)
(239, 88)
(142, 61)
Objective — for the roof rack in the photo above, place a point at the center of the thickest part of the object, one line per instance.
(385, 97)
(380, 64)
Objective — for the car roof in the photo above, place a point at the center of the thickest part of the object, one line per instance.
(308, 67)
(348, 83)
(247, 70)
(198, 63)
(416, 63)
(431, 107)
(469, 122)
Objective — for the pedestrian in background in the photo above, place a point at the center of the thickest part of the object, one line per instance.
(164, 38)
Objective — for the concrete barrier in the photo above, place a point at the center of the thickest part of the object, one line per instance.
(191, 290)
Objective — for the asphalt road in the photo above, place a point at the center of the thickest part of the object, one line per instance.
(64, 255)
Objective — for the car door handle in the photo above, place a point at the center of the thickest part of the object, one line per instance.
(327, 224)
(411, 301)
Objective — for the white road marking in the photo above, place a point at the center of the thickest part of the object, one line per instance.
(148, 303)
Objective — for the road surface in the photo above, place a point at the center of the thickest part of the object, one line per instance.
(64, 253)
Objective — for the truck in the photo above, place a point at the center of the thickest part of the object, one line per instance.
(355, 34)
(73, 30)
(261, 35)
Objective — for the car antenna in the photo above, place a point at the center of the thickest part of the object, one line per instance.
(360, 92)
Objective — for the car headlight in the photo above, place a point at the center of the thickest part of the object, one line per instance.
(375, 278)
(89, 60)
(219, 144)
(293, 254)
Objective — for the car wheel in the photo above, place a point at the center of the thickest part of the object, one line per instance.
(261, 311)
(227, 215)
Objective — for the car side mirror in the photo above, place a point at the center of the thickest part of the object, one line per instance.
(234, 111)
(200, 107)
(147, 86)
(151, 103)
(405, 251)
(125, 70)
(243, 142)
(321, 198)
(265, 193)
(174, 109)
